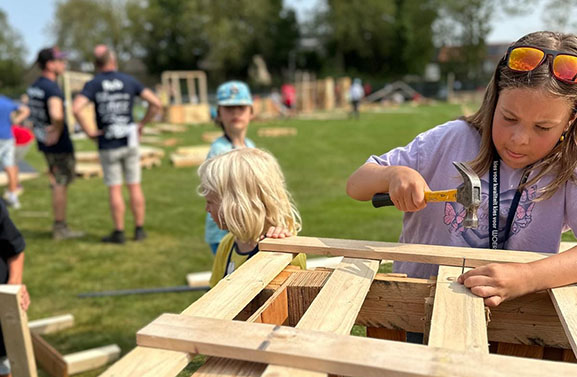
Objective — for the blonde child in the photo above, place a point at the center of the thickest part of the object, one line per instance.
(246, 195)
(234, 114)
(522, 142)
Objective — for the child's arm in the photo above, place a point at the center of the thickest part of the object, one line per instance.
(500, 282)
(405, 186)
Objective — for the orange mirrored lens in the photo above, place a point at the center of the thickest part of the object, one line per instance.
(525, 58)
(565, 67)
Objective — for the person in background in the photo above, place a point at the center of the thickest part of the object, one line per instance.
(8, 109)
(234, 114)
(356, 94)
(46, 103)
(118, 137)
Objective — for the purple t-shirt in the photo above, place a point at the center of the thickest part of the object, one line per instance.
(537, 226)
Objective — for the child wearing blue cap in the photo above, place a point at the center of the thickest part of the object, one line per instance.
(234, 114)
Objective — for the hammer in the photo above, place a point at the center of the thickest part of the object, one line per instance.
(469, 195)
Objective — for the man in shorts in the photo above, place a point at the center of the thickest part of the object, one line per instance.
(118, 136)
(46, 103)
(7, 145)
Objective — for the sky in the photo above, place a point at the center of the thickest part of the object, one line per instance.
(32, 19)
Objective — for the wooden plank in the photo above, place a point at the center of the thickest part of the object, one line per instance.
(388, 334)
(83, 361)
(332, 353)
(16, 334)
(398, 303)
(48, 358)
(336, 307)
(458, 320)
(520, 350)
(223, 301)
(302, 292)
(273, 311)
(51, 324)
(565, 302)
(444, 255)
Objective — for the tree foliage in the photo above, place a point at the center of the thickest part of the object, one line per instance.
(389, 38)
(12, 51)
(82, 24)
(217, 36)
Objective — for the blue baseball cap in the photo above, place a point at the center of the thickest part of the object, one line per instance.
(233, 93)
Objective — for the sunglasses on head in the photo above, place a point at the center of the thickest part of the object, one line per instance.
(563, 65)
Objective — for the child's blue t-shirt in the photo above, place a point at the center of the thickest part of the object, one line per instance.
(7, 107)
(537, 226)
(212, 233)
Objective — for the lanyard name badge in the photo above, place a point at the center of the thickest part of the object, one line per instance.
(496, 242)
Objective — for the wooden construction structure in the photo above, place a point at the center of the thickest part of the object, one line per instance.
(72, 83)
(24, 344)
(289, 322)
(188, 103)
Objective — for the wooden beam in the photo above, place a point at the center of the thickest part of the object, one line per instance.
(273, 311)
(331, 353)
(223, 301)
(565, 302)
(458, 320)
(302, 291)
(444, 255)
(48, 358)
(83, 361)
(336, 307)
(16, 334)
(51, 324)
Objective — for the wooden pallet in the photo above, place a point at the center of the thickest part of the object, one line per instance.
(297, 323)
(276, 131)
(209, 137)
(189, 156)
(25, 345)
(87, 170)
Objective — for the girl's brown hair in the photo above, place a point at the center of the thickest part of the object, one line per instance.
(562, 160)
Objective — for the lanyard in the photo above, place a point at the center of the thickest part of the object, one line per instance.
(496, 242)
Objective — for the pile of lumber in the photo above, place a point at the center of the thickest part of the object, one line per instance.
(276, 131)
(88, 162)
(189, 156)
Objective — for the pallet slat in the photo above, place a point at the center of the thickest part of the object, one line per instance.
(443, 255)
(565, 301)
(337, 305)
(224, 301)
(331, 353)
(458, 320)
(16, 334)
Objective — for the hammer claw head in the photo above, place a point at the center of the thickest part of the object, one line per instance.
(469, 195)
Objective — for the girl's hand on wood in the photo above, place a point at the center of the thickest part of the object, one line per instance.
(498, 282)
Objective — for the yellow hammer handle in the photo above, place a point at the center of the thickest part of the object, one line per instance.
(441, 196)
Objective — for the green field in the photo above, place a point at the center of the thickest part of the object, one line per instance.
(316, 163)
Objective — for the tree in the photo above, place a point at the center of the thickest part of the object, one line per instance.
(375, 37)
(217, 36)
(12, 52)
(82, 24)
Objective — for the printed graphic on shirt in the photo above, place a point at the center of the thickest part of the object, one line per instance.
(454, 214)
(38, 114)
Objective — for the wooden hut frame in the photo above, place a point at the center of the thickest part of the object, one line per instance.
(192, 109)
(266, 297)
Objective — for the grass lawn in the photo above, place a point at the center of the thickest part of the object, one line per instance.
(316, 163)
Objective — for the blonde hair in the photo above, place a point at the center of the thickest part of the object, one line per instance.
(562, 160)
(252, 192)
